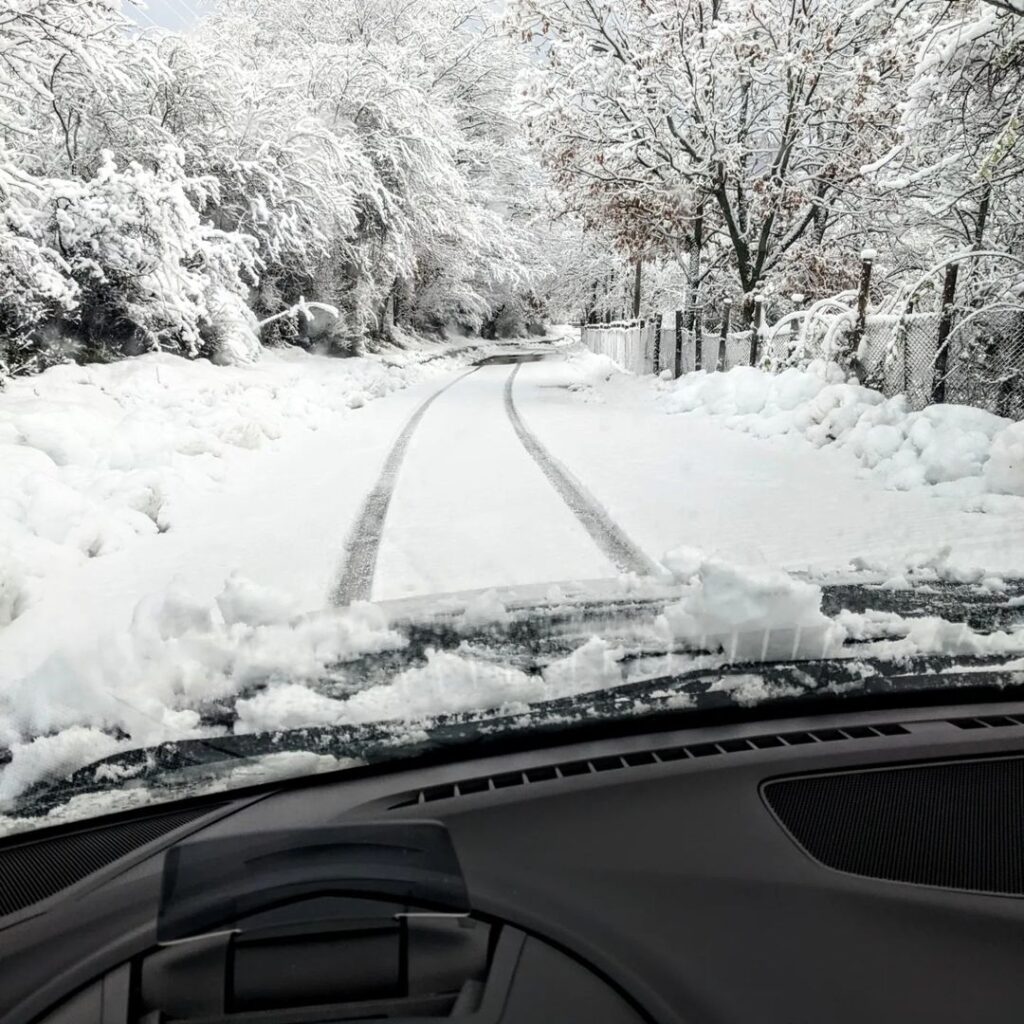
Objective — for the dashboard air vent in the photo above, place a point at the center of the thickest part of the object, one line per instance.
(987, 722)
(570, 769)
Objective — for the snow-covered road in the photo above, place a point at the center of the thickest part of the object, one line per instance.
(687, 480)
(520, 473)
(469, 505)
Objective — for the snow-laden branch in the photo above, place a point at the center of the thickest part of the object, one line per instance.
(305, 310)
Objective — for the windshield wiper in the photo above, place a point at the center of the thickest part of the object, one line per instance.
(737, 692)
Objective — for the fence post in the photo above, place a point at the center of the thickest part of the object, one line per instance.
(723, 340)
(794, 339)
(657, 343)
(945, 326)
(755, 334)
(677, 367)
(867, 261)
(692, 317)
(698, 338)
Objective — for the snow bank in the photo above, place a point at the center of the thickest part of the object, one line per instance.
(1004, 471)
(749, 614)
(92, 457)
(959, 447)
(580, 370)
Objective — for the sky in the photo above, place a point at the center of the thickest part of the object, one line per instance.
(173, 14)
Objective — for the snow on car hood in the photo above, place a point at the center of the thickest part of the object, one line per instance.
(248, 663)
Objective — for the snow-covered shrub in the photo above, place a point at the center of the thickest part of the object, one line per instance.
(35, 288)
(151, 274)
(509, 321)
(519, 316)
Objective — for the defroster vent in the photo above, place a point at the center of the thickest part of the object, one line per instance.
(638, 759)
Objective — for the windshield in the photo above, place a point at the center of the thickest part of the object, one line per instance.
(377, 374)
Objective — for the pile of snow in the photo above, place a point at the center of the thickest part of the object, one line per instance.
(486, 609)
(579, 370)
(956, 446)
(91, 457)
(749, 614)
(918, 569)
(180, 655)
(281, 670)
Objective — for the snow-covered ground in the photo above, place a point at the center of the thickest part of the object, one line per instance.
(710, 477)
(115, 480)
(170, 532)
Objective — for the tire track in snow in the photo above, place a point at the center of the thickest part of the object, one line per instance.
(603, 530)
(363, 543)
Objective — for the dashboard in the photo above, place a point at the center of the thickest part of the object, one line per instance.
(840, 868)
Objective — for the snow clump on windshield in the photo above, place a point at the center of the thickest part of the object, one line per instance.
(749, 614)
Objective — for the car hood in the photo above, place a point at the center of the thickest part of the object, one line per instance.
(610, 657)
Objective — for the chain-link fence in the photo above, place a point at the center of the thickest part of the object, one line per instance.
(983, 365)
(975, 358)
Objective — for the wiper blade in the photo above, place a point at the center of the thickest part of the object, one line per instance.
(723, 692)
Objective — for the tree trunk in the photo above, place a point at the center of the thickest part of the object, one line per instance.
(982, 221)
(638, 274)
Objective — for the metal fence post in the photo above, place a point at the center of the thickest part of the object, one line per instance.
(677, 368)
(723, 340)
(867, 261)
(755, 334)
(693, 328)
(657, 342)
(698, 337)
(945, 326)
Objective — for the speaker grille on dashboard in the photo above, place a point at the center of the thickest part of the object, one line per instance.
(32, 870)
(957, 824)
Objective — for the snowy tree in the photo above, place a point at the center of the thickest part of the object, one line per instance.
(363, 154)
(952, 179)
(751, 120)
(1013, 6)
